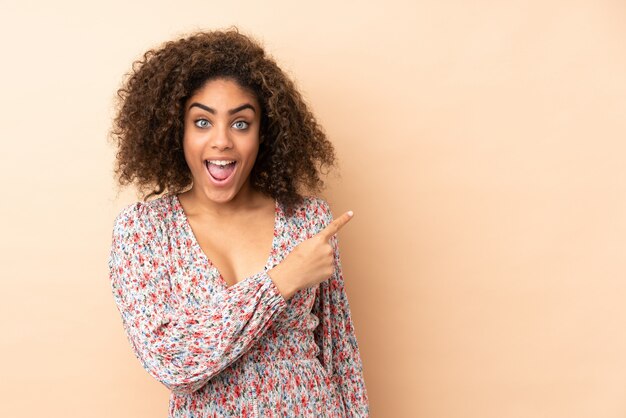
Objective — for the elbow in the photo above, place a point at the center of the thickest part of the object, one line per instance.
(181, 381)
(181, 384)
(184, 388)
(181, 373)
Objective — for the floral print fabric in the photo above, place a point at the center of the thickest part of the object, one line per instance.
(240, 350)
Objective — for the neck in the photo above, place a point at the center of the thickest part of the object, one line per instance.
(199, 204)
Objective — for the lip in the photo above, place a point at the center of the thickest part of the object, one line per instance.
(220, 183)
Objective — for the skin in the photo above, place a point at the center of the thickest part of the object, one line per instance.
(222, 120)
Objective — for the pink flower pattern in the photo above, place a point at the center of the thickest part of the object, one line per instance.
(240, 350)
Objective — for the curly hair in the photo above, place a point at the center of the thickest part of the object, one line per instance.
(148, 126)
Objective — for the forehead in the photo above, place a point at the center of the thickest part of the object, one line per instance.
(222, 93)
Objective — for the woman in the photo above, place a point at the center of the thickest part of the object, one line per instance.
(228, 329)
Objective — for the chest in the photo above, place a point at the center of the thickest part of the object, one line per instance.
(236, 248)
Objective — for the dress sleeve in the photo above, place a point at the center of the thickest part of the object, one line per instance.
(181, 346)
(335, 333)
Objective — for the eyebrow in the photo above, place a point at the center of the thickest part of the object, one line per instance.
(230, 112)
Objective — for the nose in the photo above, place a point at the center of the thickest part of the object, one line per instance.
(221, 139)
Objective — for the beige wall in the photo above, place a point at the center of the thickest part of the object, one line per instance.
(481, 145)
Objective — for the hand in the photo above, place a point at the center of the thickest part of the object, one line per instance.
(310, 262)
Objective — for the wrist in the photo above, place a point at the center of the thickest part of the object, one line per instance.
(282, 282)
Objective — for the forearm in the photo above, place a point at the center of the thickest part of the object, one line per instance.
(184, 347)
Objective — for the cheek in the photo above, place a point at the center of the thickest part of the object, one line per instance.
(251, 147)
(251, 151)
(191, 150)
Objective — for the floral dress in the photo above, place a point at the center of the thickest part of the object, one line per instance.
(239, 350)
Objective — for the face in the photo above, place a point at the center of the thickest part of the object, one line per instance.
(221, 139)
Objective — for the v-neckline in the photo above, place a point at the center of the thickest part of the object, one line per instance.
(200, 252)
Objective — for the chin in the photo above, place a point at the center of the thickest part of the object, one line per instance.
(220, 196)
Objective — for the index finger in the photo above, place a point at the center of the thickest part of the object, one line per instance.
(334, 227)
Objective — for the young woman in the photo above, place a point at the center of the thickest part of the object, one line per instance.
(229, 283)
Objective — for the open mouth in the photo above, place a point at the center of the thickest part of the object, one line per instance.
(220, 172)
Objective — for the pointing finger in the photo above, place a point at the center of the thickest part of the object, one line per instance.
(333, 227)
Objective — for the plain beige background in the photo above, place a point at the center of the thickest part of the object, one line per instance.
(481, 147)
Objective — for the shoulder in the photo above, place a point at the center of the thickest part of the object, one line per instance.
(317, 213)
(137, 233)
(141, 217)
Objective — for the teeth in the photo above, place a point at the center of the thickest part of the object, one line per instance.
(221, 162)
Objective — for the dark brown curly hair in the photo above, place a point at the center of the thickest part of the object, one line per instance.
(148, 126)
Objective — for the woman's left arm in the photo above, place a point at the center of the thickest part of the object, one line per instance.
(336, 336)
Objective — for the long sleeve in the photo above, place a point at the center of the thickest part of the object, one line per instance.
(181, 346)
(335, 333)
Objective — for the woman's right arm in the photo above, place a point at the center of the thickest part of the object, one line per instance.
(183, 347)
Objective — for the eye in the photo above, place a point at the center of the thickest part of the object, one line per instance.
(240, 124)
(202, 123)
